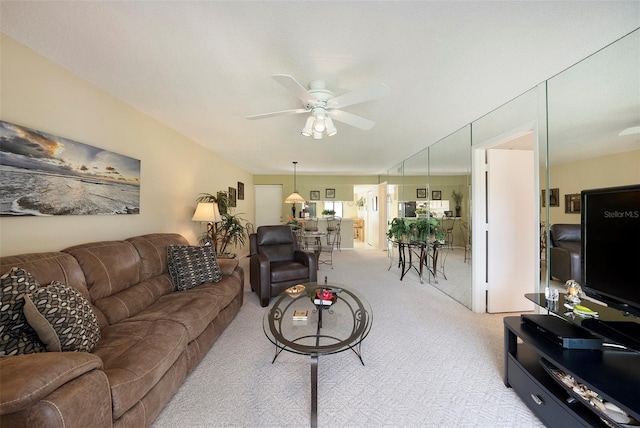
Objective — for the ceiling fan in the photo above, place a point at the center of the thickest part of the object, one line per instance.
(324, 106)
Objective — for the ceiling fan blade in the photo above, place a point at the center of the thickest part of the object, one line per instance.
(351, 119)
(277, 113)
(359, 96)
(296, 88)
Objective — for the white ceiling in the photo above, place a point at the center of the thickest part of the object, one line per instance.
(201, 67)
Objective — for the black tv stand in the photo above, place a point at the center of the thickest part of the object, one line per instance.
(612, 373)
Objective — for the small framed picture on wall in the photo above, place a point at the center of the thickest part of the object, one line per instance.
(421, 193)
(330, 193)
(572, 203)
(240, 191)
(232, 196)
(314, 195)
(436, 195)
(554, 197)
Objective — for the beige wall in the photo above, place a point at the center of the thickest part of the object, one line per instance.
(605, 171)
(39, 94)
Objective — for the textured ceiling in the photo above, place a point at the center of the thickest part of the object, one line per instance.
(201, 67)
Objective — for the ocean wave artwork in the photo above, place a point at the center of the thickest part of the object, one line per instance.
(45, 175)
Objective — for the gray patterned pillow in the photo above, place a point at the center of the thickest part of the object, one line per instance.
(16, 335)
(63, 318)
(192, 266)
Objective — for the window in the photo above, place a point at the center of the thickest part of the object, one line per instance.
(336, 206)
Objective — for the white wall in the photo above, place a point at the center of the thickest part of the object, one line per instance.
(39, 94)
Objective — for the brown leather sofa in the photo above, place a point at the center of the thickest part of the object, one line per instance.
(152, 337)
(565, 252)
(277, 263)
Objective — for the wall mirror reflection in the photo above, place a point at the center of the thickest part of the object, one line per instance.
(594, 136)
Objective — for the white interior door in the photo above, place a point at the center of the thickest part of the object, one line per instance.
(268, 204)
(511, 238)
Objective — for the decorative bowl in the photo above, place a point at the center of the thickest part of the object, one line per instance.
(321, 294)
(295, 290)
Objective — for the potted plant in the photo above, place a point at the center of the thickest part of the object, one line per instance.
(457, 198)
(294, 223)
(328, 213)
(231, 231)
(398, 229)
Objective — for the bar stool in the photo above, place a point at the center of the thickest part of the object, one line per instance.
(333, 232)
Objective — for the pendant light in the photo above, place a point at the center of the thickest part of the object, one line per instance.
(294, 198)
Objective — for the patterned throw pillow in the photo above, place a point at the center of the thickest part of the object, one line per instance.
(63, 318)
(16, 335)
(192, 266)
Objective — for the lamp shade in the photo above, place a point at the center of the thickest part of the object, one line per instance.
(207, 211)
(294, 198)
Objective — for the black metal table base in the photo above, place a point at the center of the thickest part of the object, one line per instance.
(314, 369)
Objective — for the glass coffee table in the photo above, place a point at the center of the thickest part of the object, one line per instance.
(327, 329)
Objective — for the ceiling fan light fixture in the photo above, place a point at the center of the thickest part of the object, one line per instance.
(317, 135)
(331, 129)
(307, 130)
(319, 114)
(319, 126)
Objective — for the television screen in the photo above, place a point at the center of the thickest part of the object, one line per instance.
(611, 245)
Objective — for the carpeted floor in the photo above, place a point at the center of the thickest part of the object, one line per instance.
(429, 362)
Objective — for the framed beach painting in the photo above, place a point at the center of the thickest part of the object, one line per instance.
(45, 175)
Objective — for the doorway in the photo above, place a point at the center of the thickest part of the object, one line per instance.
(505, 181)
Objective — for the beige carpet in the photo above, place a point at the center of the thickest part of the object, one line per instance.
(429, 362)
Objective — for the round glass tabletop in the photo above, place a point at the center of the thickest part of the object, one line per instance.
(317, 328)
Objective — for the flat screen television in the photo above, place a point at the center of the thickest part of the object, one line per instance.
(611, 246)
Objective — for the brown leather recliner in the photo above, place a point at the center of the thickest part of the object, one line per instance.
(277, 263)
(565, 252)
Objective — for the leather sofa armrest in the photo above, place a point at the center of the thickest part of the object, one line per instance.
(227, 266)
(309, 259)
(260, 277)
(560, 263)
(26, 379)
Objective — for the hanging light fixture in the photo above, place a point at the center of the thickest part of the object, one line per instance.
(294, 198)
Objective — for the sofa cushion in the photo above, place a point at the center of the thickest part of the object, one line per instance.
(52, 266)
(224, 291)
(62, 318)
(194, 311)
(133, 300)
(16, 335)
(288, 271)
(136, 355)
(192, 266)
(152, 249)
(108, 266)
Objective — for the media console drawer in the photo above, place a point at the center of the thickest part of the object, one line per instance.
(547, 407)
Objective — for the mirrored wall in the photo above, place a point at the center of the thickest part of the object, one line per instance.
(436, 183)
(593, 134)
(582, 128)
(450, 191)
